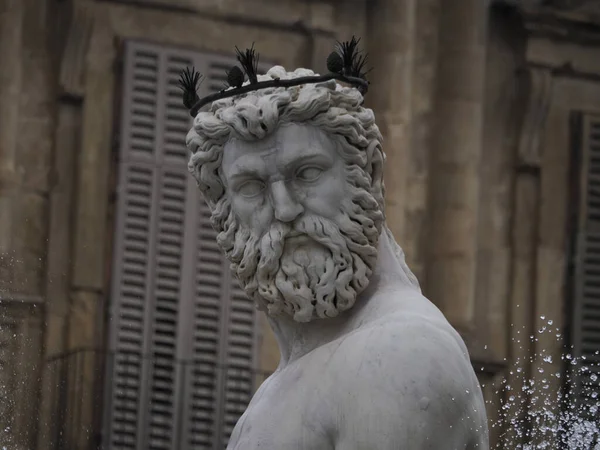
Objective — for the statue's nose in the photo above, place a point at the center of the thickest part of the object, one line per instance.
(285, 206)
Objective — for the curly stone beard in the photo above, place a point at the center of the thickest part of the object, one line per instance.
(312, 268)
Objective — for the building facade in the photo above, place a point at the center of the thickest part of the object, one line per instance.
(120, 325)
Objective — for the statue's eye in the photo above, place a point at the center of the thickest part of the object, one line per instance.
(310, 173)
(251, 188)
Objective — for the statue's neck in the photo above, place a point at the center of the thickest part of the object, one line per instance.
(296, 339)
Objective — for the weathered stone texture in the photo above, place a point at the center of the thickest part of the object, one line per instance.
(502, 123)
(486, 242)
(20, 365)
(30, 215)
(455, 161)
(92, 171)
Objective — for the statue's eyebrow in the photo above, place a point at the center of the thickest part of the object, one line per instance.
(316, 157)
(245, 168)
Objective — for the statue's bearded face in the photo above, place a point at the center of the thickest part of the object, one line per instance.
(298, 223)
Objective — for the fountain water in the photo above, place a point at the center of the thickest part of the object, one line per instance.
(536, 415)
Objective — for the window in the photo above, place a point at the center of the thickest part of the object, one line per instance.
(181, 331)
(584, 304)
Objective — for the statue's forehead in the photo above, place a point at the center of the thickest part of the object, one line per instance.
(287, 142)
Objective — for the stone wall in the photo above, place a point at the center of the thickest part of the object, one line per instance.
(88, 36)
(26, 128)
(476, 184)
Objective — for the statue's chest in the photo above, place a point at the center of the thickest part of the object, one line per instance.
(285, 415)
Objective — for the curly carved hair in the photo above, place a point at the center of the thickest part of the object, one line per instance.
(334, 109)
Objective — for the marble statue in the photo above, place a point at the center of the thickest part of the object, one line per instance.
(294, 179)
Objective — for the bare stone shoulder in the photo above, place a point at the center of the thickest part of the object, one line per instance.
(415, 368)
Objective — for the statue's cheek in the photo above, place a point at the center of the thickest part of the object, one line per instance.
(326, 198)
(256, 213)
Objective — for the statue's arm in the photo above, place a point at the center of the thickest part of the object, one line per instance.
(414, 389)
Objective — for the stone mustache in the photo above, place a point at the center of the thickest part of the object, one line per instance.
(294, 179)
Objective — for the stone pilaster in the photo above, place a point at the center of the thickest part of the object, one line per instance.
(25, 151)
(10, 87)
(424, 69)
(455, 160)
(526, 225)
(403, 48)
(390, 46)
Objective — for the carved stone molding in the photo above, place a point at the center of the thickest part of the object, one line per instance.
(72, 68)
(583, 6)
(7, 352)
(539, 81)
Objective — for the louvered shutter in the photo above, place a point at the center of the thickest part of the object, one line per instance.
(182, 334)
(585, 327)
(215, 403)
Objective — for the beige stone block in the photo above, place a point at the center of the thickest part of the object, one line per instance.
(52, 375)
(10, 82)
(463, 24)
(421, 134)
(455, 188)
(455, 67)
(427, 16)
(458, 132)
(280, 45)
(351, 21)
(36, 98)
(492, 388)
(496, 297)
(525, 229)
(392, 24)
(278, 11)
(450, 286)
(549, 320)
(269, 350)
(34, 153)
(20, 356)
(84, 318)
(322, 15)
(549, 325)
(6, 203)
(60, 233)
(553, 52)
(413, 232)
(34, 24)
(7, 267)
(29, 243)
(554, 194)
(321, 47)
(54, 338)
(395, 216)
(93, 168)
(392, 79)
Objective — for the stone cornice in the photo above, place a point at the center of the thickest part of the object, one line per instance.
(539, 86)
(567, 20)
(73, 62)
(295, 26)
(559, 25)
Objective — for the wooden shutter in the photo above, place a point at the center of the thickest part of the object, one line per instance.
(585, 326)
(182, 333)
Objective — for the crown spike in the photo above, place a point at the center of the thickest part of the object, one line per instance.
(345, 64)
(189, 82)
